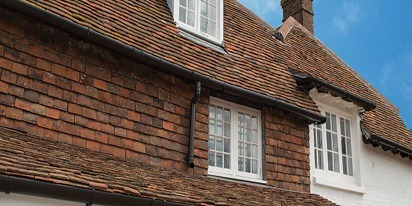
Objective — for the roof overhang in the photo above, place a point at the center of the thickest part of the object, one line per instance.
(307, 83)
(386, 145)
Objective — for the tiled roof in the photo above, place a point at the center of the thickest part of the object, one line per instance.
(313, 57)
(33, 157)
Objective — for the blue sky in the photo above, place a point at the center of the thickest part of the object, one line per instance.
(373, 36)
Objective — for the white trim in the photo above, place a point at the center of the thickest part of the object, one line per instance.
(341, 108)
(233, 172)
(339, 185)
(196, 29)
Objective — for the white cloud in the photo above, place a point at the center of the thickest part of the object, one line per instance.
(347, 15)
(262, 8)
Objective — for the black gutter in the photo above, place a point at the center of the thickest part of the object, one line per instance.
(156, 62)
(386, 145)
(195, 98)
(10, 184)
(307, 83)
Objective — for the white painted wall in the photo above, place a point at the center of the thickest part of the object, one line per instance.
(385, 178)
(25, 200)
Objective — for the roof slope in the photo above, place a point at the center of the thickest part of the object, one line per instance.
(56, 162)
(254, 60)
(311, 56)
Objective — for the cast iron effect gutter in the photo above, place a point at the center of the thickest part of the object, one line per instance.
(386, 145)
(307, 83)
(195, 98)
(156, 62)
(24, 186)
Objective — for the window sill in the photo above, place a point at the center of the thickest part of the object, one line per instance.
(238, 179)
(350, 187)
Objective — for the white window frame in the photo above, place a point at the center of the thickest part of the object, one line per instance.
(349, 111)
(233, 173)
(174, 6)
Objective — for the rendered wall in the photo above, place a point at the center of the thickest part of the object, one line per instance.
(386, 178)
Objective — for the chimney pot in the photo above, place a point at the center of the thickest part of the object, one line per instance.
(301, 10)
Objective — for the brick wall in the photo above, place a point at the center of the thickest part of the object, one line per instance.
(287, 152)
(62, 88)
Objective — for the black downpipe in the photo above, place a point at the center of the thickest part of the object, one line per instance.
(24, 186)
(195, 98)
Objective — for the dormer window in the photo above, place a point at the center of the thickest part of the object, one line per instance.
(203, 18)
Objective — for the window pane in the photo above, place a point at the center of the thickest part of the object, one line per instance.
(211, 159)
(247, 165)
(343, 144)
(330, 161)
(319, 141)
(254, 137)
(219, 144)
(334, 123)
(227, 161)
(192, 4)
(227, 130)
(213, 2)
(191, 18)
(203, 25)
(254, 166)
(241, 119)
(248, 135)
(212, 12)
(211, 143)
(211, 126)
(327, 121)
(336, 162)
(248, 121)
(219, 160)
(254, 151)
(227, 145)
(247, 150)
(219, 113)
(241, 164)
(316, 159)
(342, 126)
(203, 8)
(240, 133)
(254, 122)
(320, 161)
(345, 168)
(212, 28)
(226, 115)
(350, 166)
(329, 140)
(347, 128)
(219, 128)
(241, 148)
(335, 142)
(182, 15)
(349, 145)
(183, 3)
(212, 112)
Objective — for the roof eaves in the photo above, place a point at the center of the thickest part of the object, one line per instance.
(307, 82)
(386, 145)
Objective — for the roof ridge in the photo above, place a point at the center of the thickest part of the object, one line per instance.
(344, 64)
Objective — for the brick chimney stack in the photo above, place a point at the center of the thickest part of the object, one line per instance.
(301, 10)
